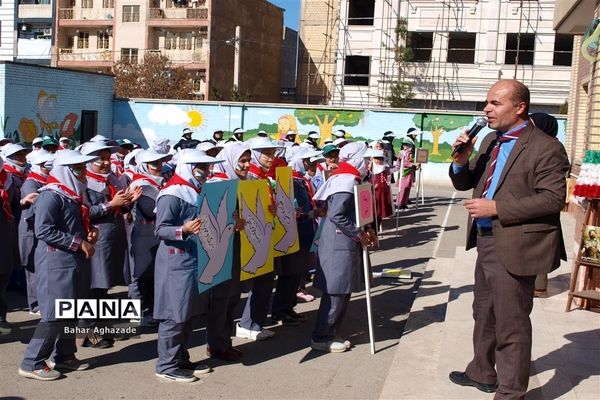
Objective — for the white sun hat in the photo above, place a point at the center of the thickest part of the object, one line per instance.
(193, 156)
(72, 157)
(93, 148)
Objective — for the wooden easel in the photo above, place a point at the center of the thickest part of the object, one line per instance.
(592, 217)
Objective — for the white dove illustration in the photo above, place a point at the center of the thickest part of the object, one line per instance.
(259, 235)
(214, 235)
(287, 215)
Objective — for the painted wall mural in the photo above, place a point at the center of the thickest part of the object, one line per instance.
(146, 121)
(43, 120)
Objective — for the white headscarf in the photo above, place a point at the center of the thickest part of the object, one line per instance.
(231, 154)
(183, 192)
(352, 153)
(64, 175)
(98, 186)
(148, 189)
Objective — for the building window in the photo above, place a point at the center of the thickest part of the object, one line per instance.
(131, 13)
(361, 12)
(108, 3)
(185, 41)
(357, 70)
(129, 56)
(461, 47)
(421, 44)
(70, 42)
(563, 50)
(87, 3)
(171, 41)
(526, 46)
(103, 41)
(83, 40)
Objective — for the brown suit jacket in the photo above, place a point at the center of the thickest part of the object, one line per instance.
(530, 194)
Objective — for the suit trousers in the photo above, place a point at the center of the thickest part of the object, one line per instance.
(502, 333)
(49, 338)
(284, 299)
(219, 327)
(172, 342)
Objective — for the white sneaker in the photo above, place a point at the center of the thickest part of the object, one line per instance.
(329, 347)
(244, 333)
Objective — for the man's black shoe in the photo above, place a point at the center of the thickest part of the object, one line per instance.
(461, 378)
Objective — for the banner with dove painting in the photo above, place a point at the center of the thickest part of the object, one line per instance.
(285, 236)
(217, 203)
(256, 244)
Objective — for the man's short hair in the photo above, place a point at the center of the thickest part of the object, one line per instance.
(521, 94)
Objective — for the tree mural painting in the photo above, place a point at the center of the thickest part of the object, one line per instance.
(440, 123)
(327, 119)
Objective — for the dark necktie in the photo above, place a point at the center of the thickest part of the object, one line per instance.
(494, 157)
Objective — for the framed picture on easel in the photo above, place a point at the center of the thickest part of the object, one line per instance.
(590, 244)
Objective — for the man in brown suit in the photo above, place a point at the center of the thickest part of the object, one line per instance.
(518, 182)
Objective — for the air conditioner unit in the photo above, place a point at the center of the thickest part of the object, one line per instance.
(47, 31)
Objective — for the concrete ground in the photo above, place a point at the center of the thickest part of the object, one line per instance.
(422, 331)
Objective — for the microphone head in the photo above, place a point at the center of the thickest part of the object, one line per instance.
(481, 121)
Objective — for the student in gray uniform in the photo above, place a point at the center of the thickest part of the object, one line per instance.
(65, 245)
(143, 241)
(225, 296)
(108, 201)
(257, 304)
(41, 163)
(176, 296)
(292, 268)
(339, 248)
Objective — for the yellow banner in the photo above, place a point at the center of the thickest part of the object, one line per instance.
(256, 238)
(285, 237)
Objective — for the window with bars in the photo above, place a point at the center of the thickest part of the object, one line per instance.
(185, 41)
(103, 41)
(70, 42)
(357, 70)
(361, 12)
(525, 42)
(129, 56)
(461, 47)
(87, 3)
(131, 13)
(108, 3)
(83, 40)
(563, 50)
(171, 41)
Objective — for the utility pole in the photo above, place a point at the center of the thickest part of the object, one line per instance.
(236, 60)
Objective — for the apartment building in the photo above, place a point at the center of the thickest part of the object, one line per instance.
(458, 49)
(198, 35)
(26, 31)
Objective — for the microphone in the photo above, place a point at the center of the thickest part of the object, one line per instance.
(479, 125)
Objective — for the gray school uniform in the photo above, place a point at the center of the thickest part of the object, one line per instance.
(62, 273)
(108, 262)
(176, 296)
(338, 274)
(28, 241)
(143, 248)
(339, 248)
(8, 244)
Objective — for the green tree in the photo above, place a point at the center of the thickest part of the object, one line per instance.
(440, 123)
(402, 89)
(327, 119)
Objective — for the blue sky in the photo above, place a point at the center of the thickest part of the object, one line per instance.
(291, 16)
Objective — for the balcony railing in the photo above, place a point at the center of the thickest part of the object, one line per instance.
(182, 56)
(85, 13)
(179, 13)
(35, 11)
(67, 54)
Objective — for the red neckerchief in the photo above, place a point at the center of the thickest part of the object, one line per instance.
(5, 198)
(258, 171)
(219, 175)
(14, 171)
(120, 168)
(277, 162)
(345, 168)
(85, 212)
(140, 177)
(34, 176)
(97, 177)
(178, 180)
(320, 167)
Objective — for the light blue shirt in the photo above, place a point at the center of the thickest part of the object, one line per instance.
(503, 154)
